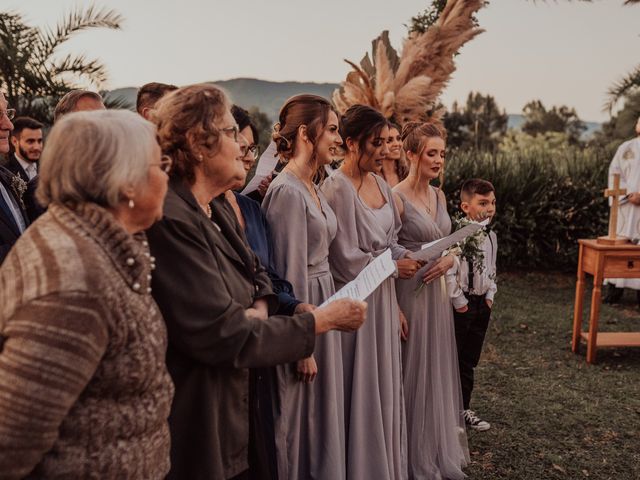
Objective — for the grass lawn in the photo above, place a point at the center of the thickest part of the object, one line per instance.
(553, 416)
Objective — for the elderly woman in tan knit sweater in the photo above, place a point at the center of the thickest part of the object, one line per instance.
(214, 295)
(84, 390)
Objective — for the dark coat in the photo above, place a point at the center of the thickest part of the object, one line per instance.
(9, 231)
(206, 277)
(33, 208)
(14, 167)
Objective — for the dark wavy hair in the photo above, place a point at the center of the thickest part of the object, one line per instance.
(361, 122)
(243, 119)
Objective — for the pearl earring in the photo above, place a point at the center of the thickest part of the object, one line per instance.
(131, 204)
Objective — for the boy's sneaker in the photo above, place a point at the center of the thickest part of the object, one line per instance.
(474, 422)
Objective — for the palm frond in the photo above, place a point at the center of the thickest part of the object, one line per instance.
(78, 65)
(15, 59)
(76, 21)
(623, 87)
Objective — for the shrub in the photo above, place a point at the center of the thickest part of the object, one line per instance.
(547, 200)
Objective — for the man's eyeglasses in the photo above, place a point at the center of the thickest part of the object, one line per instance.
(9, 112)
(165, 163)
(231, 132)
(249, 152)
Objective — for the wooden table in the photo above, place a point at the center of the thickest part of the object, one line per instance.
(602, 261)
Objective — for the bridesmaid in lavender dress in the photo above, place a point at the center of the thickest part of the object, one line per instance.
(310, 432)
(367, 226)
(433, 399)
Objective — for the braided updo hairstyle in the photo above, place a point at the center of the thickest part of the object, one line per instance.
(309, 110)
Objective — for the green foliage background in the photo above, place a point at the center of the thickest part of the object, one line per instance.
(547, 200)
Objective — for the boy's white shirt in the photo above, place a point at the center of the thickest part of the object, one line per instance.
(457, 278)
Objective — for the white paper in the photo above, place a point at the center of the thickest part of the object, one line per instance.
(432, 250)
(266, 163)
(367, 280)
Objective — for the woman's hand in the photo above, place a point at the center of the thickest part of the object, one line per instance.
(264, 185)
(463, 309)
(489, 303)
(259, 309)
(404, 327)
(407, 267)
(307, 369)
(304, 307)
(439, 268)
(345, 315)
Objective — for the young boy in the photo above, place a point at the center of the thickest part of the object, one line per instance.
(472, 291)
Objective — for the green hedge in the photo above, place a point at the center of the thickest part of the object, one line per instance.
(546, 200)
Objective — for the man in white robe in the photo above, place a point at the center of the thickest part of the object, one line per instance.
(626, 162)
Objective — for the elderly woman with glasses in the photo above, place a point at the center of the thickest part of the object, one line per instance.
(85, 391)
(215, 296)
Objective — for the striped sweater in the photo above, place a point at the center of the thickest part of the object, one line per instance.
(84, 390)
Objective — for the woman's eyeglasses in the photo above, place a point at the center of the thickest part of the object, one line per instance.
(249, 152)
(231, 132)
(165, 163)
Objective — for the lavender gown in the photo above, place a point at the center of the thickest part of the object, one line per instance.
(433, 399)
(309, 426)
(374, 407)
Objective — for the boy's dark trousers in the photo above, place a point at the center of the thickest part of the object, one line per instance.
(471, 327)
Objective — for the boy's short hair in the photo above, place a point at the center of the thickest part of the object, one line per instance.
(475, 186)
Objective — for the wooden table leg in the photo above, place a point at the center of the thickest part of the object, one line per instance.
(578, 306)
(595, 310)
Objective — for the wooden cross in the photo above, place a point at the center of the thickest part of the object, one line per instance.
(615, 193)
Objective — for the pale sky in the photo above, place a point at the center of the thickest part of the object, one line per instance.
(560, 52)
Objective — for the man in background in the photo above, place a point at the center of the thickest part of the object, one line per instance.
(78, 101)
(26, 139)
(626, 163)
(148, 96)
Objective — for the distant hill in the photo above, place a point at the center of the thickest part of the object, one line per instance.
(270, 96)
(127, 95)
(250, 92)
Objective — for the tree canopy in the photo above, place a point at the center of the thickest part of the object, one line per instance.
(560, 119)
(478, 124)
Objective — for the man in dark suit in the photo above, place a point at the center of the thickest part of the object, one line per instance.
(13, 219)
(26, 139)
